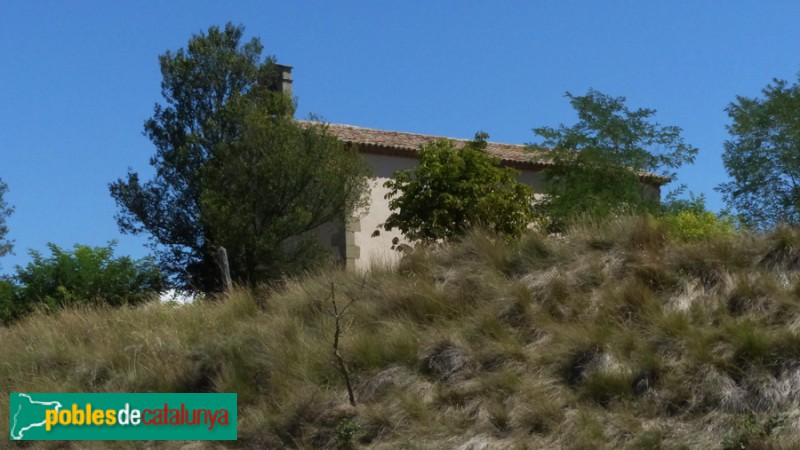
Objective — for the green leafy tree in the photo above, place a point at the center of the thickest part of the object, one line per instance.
(198, 83)
(84, 275)
(5, 210)
(452, 190)
(763, 156)
(600, 163)
(266, 192)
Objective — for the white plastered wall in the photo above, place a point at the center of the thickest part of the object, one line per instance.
(375, 251)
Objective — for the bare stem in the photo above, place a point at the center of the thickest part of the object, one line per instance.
(337, 315)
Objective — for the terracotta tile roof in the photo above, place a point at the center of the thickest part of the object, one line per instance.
(413, 141)
(408, 144)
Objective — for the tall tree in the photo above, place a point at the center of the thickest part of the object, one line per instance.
(266, 193)
(599, 163)
(198, 82)
(5, 210)
(763, 156)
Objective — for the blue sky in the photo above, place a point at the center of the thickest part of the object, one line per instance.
(78, 79)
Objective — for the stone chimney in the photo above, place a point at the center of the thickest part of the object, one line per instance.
(284, 78)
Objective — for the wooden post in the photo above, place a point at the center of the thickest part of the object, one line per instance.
(222, 254)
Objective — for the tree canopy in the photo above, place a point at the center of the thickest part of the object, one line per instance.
(598, 163)
(763, 156)
(266, 193)
(83, 275)
(198, 82)
(452, 190)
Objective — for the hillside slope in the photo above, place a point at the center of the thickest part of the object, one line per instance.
(613, 336)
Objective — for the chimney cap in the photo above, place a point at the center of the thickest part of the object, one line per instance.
(285, 78)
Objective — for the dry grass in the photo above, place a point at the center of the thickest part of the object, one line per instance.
(611, 336)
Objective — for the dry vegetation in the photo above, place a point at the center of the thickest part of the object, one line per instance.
(613, 336)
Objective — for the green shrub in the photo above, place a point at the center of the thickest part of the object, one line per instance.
(687, 219)
(453, 190)
(691, 225)
(81, 276)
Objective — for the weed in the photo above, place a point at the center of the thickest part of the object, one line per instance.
(753, 433)
(345, 431)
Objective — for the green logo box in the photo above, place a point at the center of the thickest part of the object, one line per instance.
(122, 417)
